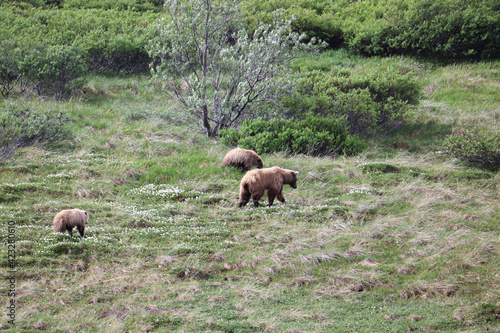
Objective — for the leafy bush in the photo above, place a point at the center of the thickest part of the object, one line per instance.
(111, 39)
(53, 71)
(46, 71)
(372, 97)
(312, 17)
(24, 127)
(10, 72)
(474, 146)
(312, 136)
(133, 5)
(445, 28)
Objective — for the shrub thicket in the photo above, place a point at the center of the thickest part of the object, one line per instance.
(312, 136)
(315, 18)
(132, 5)
(474, 146)
(53, 71)
(10, 71)
(47, 71)
(24, 127)
(373, 98)
(444, 28)
(107, 39)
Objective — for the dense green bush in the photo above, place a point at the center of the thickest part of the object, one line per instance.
(47, 71)
(474, 146)
(108, 39)
(53, 71)
(312, 136)
(315, 18)
(10, 72)
(133, 5)
(444, 28)
(373, 97)
(24, 127)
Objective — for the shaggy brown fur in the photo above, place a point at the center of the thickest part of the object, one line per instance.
(257, 181)
(242, 158)
(68, 219)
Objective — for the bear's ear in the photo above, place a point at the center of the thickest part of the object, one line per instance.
(295, 173)
(86, 213)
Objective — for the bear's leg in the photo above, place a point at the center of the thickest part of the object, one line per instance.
(244, 195)
(81, 229)
(244, 198)
(256, 197)
(280, 196)
(62, 229)
(70, 230)
(271, 194)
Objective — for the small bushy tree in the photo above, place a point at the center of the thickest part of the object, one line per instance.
(206, 59)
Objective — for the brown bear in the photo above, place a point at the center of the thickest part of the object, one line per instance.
(257, 181)
(68, 219)
(243, 159)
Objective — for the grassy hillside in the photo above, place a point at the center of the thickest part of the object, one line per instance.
(399, 238)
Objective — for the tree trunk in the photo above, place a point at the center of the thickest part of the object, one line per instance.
(206, 123)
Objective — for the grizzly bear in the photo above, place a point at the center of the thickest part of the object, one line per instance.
(243, 159)
(68, 219)
(257, 181)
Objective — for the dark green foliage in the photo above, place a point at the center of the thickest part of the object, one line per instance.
(312, 136)
(10, 73)
(24, 127)
(380, 167)
(111, 39)
(46, 71)
(313, 18)
(132, 5)
(112, 34)
(53, 71)
(444, 28)
(475, 146)
(373, 98)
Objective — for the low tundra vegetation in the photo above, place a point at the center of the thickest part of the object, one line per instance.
(397, 237)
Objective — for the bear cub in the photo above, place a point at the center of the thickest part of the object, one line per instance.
(243, 159)
(68, 219)
(257, 181)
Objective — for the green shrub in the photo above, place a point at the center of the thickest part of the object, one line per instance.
(111, 39)
(132, 5)
(311, 17)
(373, 97)
(474, 146)
(53, 71)
(24, 127)
(444, 28)
(312, 136)
(10, 73)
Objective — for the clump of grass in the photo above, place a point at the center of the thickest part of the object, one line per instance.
(475, 146)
